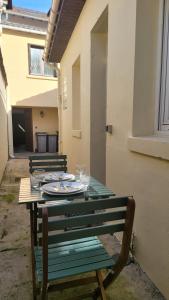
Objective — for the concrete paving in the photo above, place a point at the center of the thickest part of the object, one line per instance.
(15, 260)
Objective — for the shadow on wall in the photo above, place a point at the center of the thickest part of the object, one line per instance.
(47, 99)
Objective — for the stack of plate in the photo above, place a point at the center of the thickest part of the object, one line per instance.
(63, 188)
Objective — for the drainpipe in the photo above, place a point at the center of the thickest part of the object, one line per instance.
(56, 66)
(51, 25)
(9, 125)
(59, 107)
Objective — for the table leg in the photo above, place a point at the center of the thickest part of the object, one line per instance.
(35, 223)
(32, 250)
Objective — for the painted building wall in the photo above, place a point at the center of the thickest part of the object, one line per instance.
(3, 126)
(48, 123)
(25, 89)
(132, 153)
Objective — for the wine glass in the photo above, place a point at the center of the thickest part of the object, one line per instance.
(36, 178)
(80, 169)
(85, 180)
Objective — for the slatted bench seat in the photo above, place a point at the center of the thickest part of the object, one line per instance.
(61, 254)
(73, 258)
(48, 162)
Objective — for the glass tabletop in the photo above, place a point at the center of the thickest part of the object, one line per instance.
(28, 195)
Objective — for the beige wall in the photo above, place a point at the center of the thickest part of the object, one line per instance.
(49, 123)
(25, 90)
(3, 127)
(131, 90)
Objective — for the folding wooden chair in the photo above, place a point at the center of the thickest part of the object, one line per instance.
(48, 162)
(60, 254)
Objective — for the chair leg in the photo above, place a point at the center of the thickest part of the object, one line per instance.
(106, 282)
(34, 293)
(100, 283)
(34, 279)
(44, 294)
(34, 297)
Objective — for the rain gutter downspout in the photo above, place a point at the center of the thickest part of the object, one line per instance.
(59, 107)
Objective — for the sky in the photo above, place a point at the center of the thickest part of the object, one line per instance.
(41, 5)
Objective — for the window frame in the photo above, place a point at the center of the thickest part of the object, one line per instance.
(42, 65)
(155, 143)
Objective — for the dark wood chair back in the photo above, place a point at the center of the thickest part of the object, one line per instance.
(48, 162)
(61, 253)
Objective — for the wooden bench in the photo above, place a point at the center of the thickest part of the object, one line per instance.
(60, 254)
(48, 162)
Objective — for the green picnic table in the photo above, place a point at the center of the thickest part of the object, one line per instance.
(28, 195)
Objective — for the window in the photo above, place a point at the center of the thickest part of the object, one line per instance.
(164, 93)
(36, 64)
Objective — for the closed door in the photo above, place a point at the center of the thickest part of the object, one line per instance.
(99, 41)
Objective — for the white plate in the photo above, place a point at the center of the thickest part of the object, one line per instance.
(55, 176)
(63, 194)
(63, 188)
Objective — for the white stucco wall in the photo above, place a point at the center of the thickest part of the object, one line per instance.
(26, 90)
(3, 126)
(131, 81)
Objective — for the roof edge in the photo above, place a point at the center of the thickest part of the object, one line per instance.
(51, 25)
(63, 18)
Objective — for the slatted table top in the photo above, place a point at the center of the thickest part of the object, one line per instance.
(28, 195)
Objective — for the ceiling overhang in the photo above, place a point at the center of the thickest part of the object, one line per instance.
(66, 19)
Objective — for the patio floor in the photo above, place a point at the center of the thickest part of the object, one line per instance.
(15, 262)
